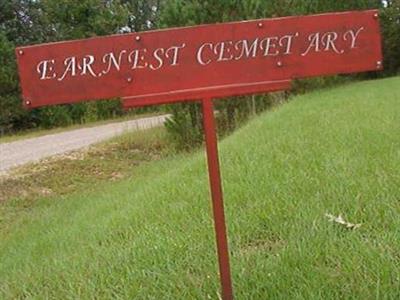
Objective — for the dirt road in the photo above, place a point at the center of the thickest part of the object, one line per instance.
(24, 151)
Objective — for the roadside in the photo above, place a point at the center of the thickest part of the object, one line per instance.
(110, 160)
(37, 132)
(17, 153)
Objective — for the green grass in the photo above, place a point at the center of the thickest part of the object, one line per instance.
(151, 236)
(112, 160)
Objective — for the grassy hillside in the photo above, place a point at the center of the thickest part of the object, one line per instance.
(151, 237)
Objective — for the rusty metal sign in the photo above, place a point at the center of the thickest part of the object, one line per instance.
(201, 63)
(191, 59)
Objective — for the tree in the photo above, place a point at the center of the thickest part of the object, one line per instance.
(390, 21)
(20, 24)
(70, 19)
(143, 14)
(10, 108)
(25, 22)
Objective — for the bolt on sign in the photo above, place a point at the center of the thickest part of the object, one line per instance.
(199, 64)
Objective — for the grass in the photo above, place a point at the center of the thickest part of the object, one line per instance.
(150, 236)
(60, 175)
(41, 132)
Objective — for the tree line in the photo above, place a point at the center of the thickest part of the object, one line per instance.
(25, 22)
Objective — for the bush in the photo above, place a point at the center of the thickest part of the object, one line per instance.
(54, 116)
(185, 127)
(390, 24)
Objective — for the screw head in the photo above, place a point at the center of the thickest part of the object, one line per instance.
(376, 15)
(279, 64)
(260, 25)
(28, 102)
(129, 79)
(379, 64)
(20, 52)
(137, 38)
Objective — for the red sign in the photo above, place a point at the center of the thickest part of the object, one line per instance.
(201, 62)
(173, 63)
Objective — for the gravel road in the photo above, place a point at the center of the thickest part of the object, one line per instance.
(30, 150)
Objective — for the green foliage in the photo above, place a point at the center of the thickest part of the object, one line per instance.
(334, 151)
(186, 13)
(11, 111)
(390, 21)
(185, 127)
(36, 21)
(8, 83)
(143, 14)
(72, 19)
(305, 85)
(21, 22)
(305, 7)
(25, 22)
(64, 115)
(101, 110)
(193, 12)
(54, 116)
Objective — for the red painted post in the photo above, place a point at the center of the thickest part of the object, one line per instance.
(217, 201)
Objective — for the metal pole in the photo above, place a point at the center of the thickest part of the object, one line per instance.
(217, 201)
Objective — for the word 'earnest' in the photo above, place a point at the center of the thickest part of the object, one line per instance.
(205, 54)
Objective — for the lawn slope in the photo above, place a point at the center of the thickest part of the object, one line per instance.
(334, 151)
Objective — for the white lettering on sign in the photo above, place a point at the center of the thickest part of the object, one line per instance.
(111, 60)
(200, 58)
(44, 68)
(205, 54)
(158, 56)
(86, 66)
(175, 53)
(353, 36)
(314, 43)
(245, 49)
(329, 41)
(136, 57)
(223, 51)
(269, 46)
(70, 67)
(288, 39)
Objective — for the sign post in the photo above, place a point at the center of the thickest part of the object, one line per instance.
(201, 63)
(217, 199)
